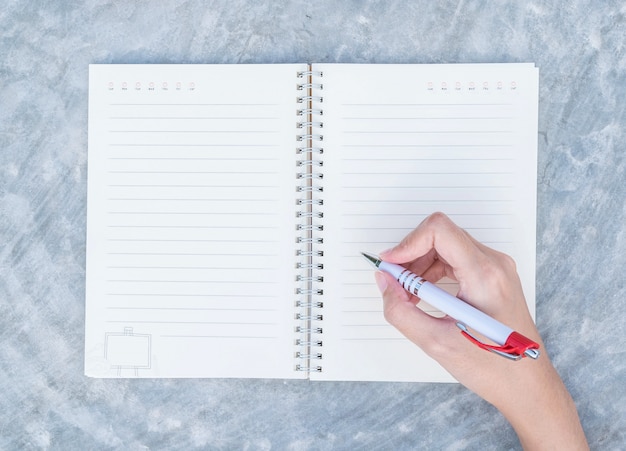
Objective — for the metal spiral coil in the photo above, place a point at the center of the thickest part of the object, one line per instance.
(309, 369)
(317, 343)
(306, 150)
(310, 241)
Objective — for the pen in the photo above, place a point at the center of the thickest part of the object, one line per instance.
(512, 345)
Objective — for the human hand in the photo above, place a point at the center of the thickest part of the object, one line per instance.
(529, 393)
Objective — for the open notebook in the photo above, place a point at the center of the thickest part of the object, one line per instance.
(228, 204)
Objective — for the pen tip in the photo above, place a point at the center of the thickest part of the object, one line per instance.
(373, 260)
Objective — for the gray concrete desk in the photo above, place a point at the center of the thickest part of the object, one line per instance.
(45, 49)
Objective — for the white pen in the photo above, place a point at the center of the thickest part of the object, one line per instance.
(512, 345)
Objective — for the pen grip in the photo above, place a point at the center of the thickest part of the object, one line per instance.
(464, 313)
(448, 304)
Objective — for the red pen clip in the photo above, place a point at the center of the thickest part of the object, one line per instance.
(516, 347)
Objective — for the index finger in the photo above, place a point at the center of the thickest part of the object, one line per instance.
(437, 232)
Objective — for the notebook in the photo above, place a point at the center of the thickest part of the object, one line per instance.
(228, 206)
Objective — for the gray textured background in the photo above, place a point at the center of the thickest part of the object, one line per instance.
(45, 48)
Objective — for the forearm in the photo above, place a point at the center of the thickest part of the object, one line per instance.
(541, 410)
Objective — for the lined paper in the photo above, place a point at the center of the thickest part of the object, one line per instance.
(407, 141)
(193, 210)
(191, 221)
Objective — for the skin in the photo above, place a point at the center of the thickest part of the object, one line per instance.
(529, 393)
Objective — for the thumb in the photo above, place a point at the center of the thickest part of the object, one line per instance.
(400, 310)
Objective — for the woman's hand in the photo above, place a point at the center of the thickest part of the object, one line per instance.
(529, 393)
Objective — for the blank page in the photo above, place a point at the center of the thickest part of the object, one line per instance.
(191, 221)
(400, 143)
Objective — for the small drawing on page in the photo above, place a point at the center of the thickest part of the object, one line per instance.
(128, 351)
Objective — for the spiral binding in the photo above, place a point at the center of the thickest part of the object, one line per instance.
(309, 279)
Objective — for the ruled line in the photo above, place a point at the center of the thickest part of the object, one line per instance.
(379, 174)
(204, 254)
(188, 199)
(194, 309)
(246, 159)
(388, 215)
(365, 325)
(125, 226)
(196, 131)
(421, 201)
(193, 295)
(189, 213)
(194, 172)
(194, 104)
(427, 145)
(238, 268)
(235, 337)
(191, 322)
(385, 158)
(238, 282)
(225, 118)
(439, 105)
(427, 118)
(164, 185)
(429, 187)
(424, 132)
(216, 240)
(191, 145)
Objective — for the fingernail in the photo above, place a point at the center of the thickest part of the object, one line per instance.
(381, 281)
(385, 252)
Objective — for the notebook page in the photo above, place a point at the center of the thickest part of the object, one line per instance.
(402, 142)
(191, 221)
